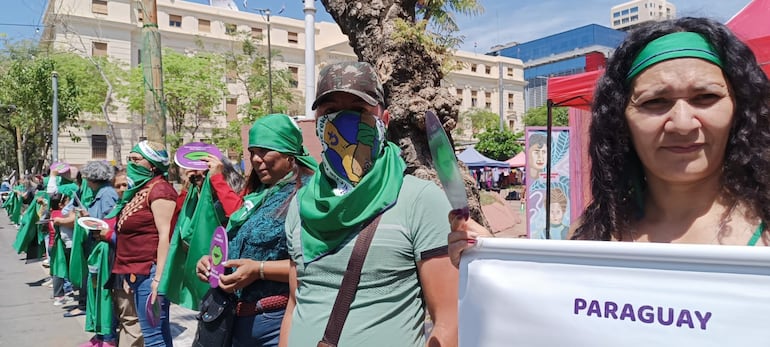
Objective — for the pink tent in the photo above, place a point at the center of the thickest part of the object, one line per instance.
(518, 160)
(750, 25)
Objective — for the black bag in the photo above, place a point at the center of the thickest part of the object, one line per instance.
(215, 319)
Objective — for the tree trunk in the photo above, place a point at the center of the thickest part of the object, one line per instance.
(116, 150)
(19, 152)
(411, 77)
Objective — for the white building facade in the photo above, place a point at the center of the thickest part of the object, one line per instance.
(630, 14)
(113, 29)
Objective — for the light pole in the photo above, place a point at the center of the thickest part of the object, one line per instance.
(266, 13)
(55, 118)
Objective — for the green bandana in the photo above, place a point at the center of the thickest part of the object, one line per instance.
(253, 200)
(673, 46)
(137, 177)
(328, 219)
(157, 157)
(278, 132)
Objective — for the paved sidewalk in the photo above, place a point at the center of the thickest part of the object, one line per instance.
(28, 316)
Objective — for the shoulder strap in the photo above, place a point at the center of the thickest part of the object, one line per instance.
(349, 286)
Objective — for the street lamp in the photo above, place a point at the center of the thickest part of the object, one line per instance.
(266, 13)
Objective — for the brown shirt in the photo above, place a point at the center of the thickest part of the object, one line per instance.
(137, 242)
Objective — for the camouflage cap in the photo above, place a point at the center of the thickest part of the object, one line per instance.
(357, 78)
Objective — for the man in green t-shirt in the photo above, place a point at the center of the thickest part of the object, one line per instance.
(407, 269)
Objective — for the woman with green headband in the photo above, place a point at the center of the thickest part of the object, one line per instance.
(258, 254)
(143, 228)
(679, 142)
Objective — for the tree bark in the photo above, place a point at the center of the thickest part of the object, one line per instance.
(411, 77)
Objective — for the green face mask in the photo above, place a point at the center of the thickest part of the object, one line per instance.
(138, 175)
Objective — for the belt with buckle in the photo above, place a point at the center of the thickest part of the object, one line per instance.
(266, 304)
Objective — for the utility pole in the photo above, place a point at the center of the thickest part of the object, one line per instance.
(55, 116)
(500, 91)
(309, 58)
(154, 113)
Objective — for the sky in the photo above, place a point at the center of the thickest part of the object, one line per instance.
(503, 21)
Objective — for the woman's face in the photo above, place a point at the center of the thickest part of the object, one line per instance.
(679, 115)
(557, 213)
(121, 184)
(270, 166)
(537, 155)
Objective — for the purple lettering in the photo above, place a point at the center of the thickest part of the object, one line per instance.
(685, 318)
(610, 308)
(670, 316)
(703, 319)
(594, 308)
(646, 314)
(580, 304)
(627, 312)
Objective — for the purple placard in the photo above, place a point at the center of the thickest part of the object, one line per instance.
(218, 253)
(189, 155)
(152, 311)
(60, 167)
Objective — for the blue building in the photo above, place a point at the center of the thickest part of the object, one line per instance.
(567, 53)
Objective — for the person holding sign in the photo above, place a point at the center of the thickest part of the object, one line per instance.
(143, 227)
(257, 250)
(679, 142)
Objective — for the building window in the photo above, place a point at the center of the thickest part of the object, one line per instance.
(232, 109)
(616, 15)
(230, 29)
(293, 37)
(510, 72)
(139, 15)
(634, 9)
(473, 67)
(624, 12)
(99, 6)
(294, 76)
(487, 70)
(474, 99)
(625, 20)
(256, 33)
(98, 49)
(510, 101)
(139, 57)
(511, 123)
(488, 100)
(634, 18)
(617, 22)
(174, 21)
(99, 146)
(204, 25)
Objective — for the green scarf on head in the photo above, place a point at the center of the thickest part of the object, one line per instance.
(138, 175)
(279, 133)
(328, 219)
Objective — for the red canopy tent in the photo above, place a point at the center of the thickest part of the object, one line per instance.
(750, 25)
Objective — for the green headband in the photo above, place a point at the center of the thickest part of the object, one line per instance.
(278, 132)
(158, 158)
(672, 46)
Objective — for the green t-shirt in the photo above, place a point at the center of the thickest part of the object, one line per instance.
(388, 309)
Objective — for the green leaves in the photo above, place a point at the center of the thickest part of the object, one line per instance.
(498, 145)
(538, 116)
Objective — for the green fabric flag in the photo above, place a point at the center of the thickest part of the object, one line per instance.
(78, 258)
(28, 236)
(58, 257)
(99, 303)
(180, 284)
(13, 207)
(78, 266)
(172, 283)
(327, 219)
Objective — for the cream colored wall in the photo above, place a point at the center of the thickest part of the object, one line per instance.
(121, 30)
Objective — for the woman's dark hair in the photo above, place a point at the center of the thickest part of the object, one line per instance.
(234, 178)
(617, 178)
(55, 200)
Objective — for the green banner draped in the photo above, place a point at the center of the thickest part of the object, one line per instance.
(78, 267)
(99, 304)
(28, 237)
(58, 257)
(189, 243)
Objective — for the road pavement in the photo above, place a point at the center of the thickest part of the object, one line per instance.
(28, 316)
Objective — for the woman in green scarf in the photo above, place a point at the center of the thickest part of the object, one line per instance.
(143, 229)
(257, 247)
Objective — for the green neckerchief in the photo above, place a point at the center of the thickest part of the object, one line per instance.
(138, 176)
(327, 219)
(253, 200)
(186, 213)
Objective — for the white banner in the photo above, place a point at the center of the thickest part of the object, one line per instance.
(517, 292)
